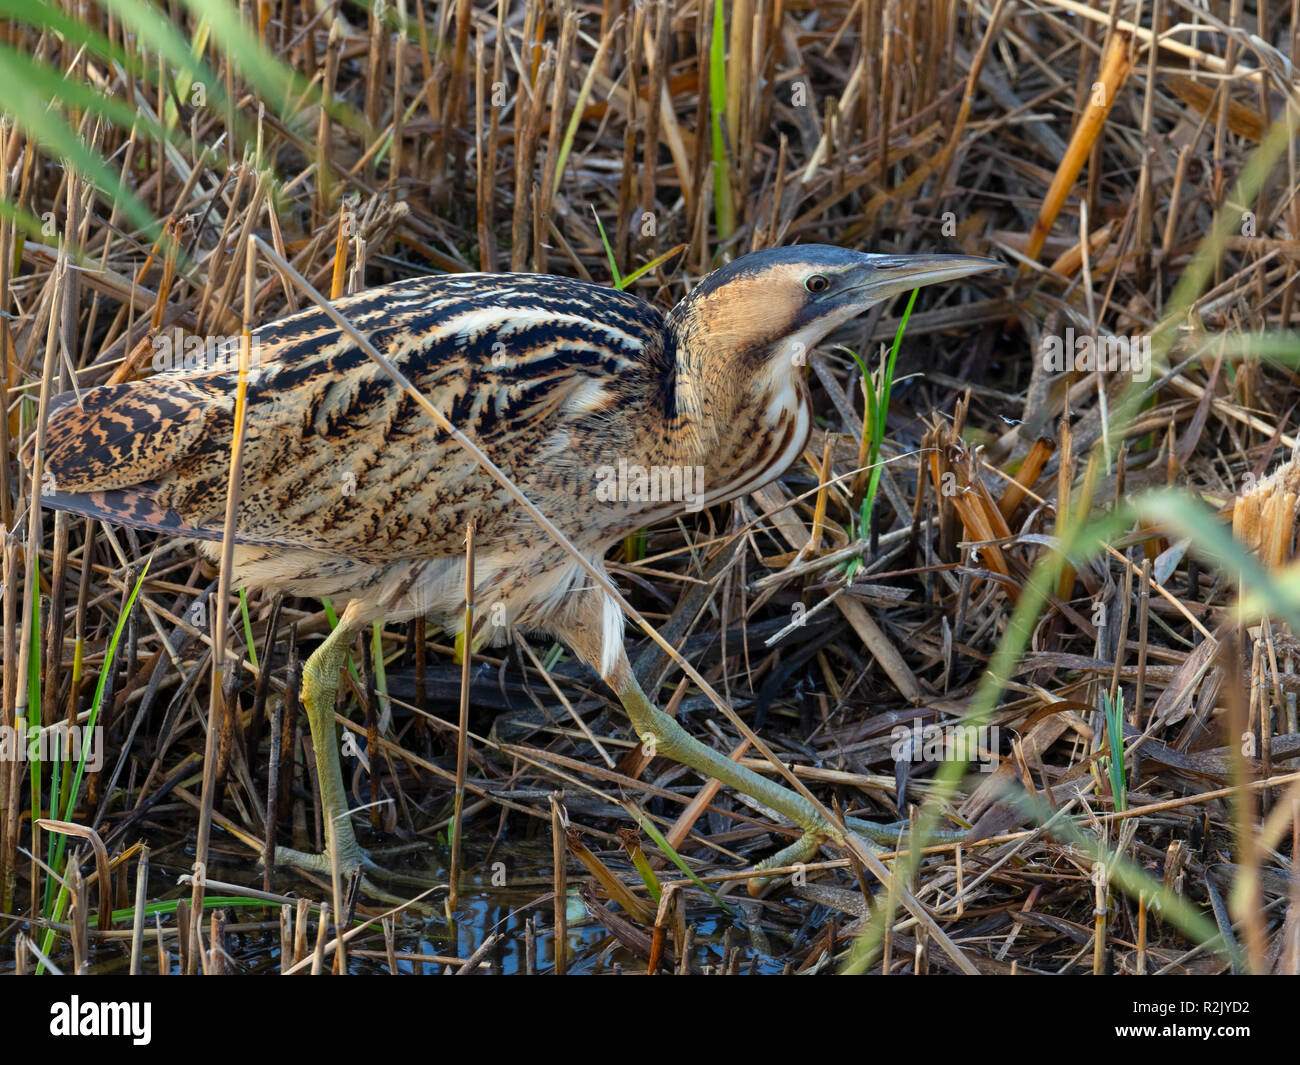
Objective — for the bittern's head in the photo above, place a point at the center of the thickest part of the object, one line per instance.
(772, 307)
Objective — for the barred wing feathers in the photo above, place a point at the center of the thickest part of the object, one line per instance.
(337, 456)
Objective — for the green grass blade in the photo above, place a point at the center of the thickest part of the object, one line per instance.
(45, 17)
(648, 827)
(91, 718)
(723, 206)
(26, 102)
(1114, 714)
(609, 252)
(880, 412)
(658, 260)
(161, 36)
(248, 628)
(275, 82)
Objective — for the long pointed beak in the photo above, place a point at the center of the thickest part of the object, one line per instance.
(887, 275)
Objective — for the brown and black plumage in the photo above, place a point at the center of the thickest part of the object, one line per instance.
(350, 490)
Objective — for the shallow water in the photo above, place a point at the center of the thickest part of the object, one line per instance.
(504, 888)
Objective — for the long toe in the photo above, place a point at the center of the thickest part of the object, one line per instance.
(322, 864)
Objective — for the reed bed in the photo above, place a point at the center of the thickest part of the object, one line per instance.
(1086, 573)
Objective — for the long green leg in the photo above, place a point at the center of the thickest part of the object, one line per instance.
(320, 679)
(667, 737)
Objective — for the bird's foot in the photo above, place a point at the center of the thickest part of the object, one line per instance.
(801, 850)
(899, 834)
(350, 860)
(869, 835)
(873, 837)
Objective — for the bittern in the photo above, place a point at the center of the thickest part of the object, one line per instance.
(351, 490)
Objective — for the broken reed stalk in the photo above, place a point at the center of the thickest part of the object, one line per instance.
(1116, 65)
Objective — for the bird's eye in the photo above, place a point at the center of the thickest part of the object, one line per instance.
(817, 283)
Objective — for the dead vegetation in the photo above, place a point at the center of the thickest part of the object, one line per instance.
(1115, 176)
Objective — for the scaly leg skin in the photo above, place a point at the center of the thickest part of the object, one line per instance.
(586, 630)
(320, 679)
(655, 727)
(668, 738)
